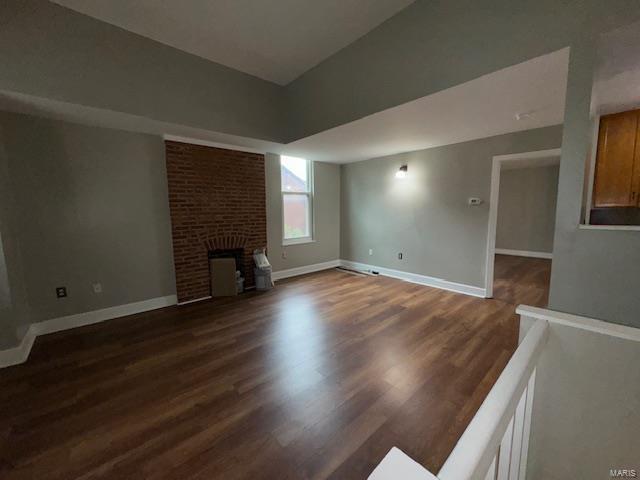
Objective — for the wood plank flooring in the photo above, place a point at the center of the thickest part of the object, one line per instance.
(315, 379)
(522, 280)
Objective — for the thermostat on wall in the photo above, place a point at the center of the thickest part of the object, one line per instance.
(474, 201)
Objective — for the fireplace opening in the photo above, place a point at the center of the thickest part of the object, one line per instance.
(235, 253)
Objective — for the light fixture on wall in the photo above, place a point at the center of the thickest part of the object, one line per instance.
(402, 172)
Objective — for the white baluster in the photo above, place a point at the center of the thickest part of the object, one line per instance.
(505, 453)
(516, 444)
(527, 427)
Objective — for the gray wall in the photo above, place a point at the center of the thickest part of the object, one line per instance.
(594, 273)
(14, 312)
(585, 407)
(92, 206)
(5, 290)
(56, 53)
(436, 44)
(426, 216)
(49, 51)
(85, 204)
(326, 203)
(527, 208)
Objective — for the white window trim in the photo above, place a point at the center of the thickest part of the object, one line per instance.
(297, 241)
(311, 212)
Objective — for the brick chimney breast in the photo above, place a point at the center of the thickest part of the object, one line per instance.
(217, 200)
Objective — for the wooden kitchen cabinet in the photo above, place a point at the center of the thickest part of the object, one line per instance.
(617, 174)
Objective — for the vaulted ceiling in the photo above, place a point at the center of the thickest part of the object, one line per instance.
(387, 92)
(276, 40)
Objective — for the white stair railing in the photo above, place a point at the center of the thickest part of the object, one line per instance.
(494, 445)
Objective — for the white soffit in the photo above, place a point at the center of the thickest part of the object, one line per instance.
(480, 108)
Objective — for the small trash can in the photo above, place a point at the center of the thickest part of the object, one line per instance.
(263, 278)
(262, 272)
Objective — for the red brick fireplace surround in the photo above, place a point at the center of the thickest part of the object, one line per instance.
(217, 201)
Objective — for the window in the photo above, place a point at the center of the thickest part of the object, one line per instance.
(296, 175)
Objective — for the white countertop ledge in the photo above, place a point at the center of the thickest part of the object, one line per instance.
(618, 228)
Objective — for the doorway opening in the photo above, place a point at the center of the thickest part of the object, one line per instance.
(522, 213)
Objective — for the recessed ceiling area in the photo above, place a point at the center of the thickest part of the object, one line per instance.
(484, 107)
(276, 40)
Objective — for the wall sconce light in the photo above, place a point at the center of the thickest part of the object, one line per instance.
(402, 172)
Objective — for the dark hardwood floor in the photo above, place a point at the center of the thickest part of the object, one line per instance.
(317, 378)
(522, 280)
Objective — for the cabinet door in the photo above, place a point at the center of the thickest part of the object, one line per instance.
(614, 182)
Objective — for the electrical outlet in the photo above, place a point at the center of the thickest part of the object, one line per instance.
(61, 292)
(400, 256)
(97, 288)
(371, 251)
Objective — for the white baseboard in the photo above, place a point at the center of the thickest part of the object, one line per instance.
(419, 279)
(208, 297)
(294, 272)
(524, 253)
(20, 354)
(96, 316)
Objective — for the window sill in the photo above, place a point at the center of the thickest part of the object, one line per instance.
(297, 241)
(619, 228)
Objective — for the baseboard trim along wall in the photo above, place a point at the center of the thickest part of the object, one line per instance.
(387, 272)
(294, 272)
(96, 316)
(208, 297)
(524, 253)
(19, 354)
(419, 279)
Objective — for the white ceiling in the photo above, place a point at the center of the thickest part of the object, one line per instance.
(483, 107)
(277, 40)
